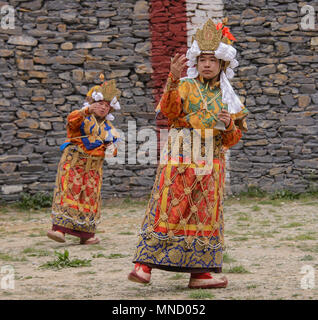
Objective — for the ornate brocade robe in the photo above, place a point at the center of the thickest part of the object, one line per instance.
(76, 201)
(183, 228)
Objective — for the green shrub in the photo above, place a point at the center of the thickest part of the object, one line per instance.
(63, 261)
(37, 201)
(254, 192)
(285, 194)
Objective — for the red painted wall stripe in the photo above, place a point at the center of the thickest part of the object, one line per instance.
(168, 26)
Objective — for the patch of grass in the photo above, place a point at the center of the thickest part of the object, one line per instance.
(63, 261)
(307, 236)
(244, 225)
(126, 203)
(253, 192)
(237, 269)
(251, 286)
(201, 294)
(262, 234)
(35, 235)
(7, 257)
(265, 223)
(256, 208)
(240, 239)
(99, 255)
(266, 202)
(135, 202)
(32, 252)
(4, 209)
(287, 239)
(37, 201)
(127, 233)
(116, 256)
(292, 225)
(95, 247)
(84, 273)
(41, 233)
(7, 293)
(177, 276)
(277, 203)
(232, 232)
(307, 258)
(243, 216)
(227, 258)
(285, 194)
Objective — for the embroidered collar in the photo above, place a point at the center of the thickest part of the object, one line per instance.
(209, 83)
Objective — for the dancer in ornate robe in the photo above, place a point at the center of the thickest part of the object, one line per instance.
(183, 228)
(77, 194)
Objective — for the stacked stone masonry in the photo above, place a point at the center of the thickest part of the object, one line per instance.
(47, 64)
(278, 80)
(58, 49)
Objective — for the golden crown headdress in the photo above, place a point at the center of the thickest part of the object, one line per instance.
(211, 35)
(107, 89)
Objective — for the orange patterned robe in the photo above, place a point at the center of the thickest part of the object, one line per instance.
(76, 201)
(183, 229)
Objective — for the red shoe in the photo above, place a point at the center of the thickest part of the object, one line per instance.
(140, 274)
(206, 281)
(56, 235)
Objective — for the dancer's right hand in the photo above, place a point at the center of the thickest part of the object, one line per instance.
(99, 108)
(178, 63)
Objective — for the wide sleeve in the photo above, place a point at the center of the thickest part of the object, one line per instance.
(233, 134)
(76, 117)
(171, 103)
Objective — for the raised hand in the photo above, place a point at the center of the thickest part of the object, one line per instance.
(100, 108)
(178, 63)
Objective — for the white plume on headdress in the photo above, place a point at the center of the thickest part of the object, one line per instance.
(224, 52)
(97, 96)
(192, 55)
(115, 104)
(110, 117)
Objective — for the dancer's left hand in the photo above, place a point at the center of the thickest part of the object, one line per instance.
(225, 117)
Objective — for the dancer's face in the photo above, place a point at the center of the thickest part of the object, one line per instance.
(102, 109)
(208, 66)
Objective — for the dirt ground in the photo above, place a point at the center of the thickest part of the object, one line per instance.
(269, 243)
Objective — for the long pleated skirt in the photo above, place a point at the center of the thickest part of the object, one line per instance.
(183, 228)
(77, 200)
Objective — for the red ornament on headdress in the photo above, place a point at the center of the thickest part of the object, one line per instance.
(225, 31)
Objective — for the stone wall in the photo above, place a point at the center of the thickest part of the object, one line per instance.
(278, 78)
(47, 64)
(58, 49)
